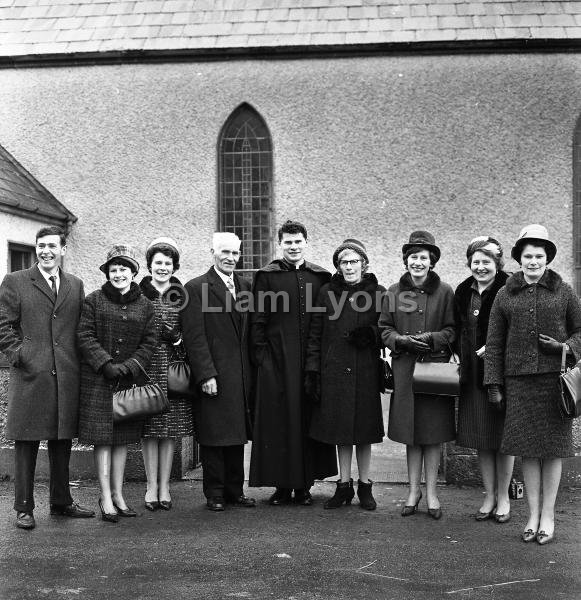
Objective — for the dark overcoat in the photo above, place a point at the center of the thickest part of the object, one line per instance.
(38, 336)
(112, 328)
(409, 310)
(215, 334)
(282, 453)
(349, 411)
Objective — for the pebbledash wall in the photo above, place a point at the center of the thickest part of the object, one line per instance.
(371, 147)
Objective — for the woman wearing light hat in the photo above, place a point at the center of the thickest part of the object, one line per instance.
(417, 320)
(479, 424)
(342, 370)
(116, 328)
(533, 318)
(160, 431)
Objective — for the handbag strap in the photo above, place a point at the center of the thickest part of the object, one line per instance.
(147, 377)
(454, 359)
(564, 359)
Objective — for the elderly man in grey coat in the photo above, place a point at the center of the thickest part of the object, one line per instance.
(39, 312)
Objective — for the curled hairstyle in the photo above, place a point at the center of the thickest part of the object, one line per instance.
(292, 227)
(414, 250)
(488, 246)
(166, 250)
(52, 230)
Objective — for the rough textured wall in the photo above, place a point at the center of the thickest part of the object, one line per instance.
(366, 147)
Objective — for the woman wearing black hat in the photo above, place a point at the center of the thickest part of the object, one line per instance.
(534, 318)
(115, 330)
(342, 370)
(417, 320)
(479, 425)
(161, 431)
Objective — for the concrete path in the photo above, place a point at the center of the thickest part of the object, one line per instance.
(290, 553)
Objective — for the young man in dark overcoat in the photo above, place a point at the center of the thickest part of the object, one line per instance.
(285, 292)
(39, 312)
(215, 336)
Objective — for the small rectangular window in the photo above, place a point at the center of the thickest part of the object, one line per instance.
(20, 257)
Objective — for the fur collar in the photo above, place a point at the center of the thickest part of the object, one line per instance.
(149, 291)
(281, 265)
(464, 290)
(550, 280)
(367, 284)
(429, 286)
(113, 293)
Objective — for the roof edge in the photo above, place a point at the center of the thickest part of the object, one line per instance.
(515, 45)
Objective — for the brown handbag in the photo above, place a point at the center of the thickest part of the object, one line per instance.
(437, 378)
(570, 382)
(179, 375)
(139, 401)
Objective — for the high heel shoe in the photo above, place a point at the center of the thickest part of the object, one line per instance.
(165, 504)
(409, 510)
(152, 506)
(344, 493)
(105, 516)
(528, 536)
(545, 538)
(484, 516)
(125, 512)
(505, 518)
(435, 513)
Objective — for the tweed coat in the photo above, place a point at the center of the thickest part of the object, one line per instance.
(409, 310)
(519, 313)
(38, 336)
(112, 328)
(216, 339)
(349, 411)
(282, 453)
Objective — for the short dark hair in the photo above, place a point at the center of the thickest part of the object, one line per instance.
(414, 249)
(52, 230)
(292, 227)
(119, 261)
(166, 250)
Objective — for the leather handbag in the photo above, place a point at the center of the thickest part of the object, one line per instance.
(139, 401)
(437, 378)
(179, 375)
(570, 382)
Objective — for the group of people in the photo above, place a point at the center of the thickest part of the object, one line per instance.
(300, 373)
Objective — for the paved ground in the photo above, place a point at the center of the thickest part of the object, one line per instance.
(291, 553)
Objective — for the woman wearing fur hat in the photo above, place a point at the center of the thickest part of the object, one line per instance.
(534, 318)
(479, 425)
(417, 320)
(342, 370)
(116, 329)
(160, 431)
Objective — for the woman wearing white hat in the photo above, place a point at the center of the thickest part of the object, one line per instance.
(160, 431)
(533, 318)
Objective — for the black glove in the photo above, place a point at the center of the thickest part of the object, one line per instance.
(362, 337)
(409, 343)
(424, 337)
(549, 345)
(113, 371)
(313, 386)
(496, 398)
(169, 334)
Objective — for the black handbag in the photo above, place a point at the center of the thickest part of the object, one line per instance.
(139, 401)
(570, 382)
(179, 375)
(437, 378)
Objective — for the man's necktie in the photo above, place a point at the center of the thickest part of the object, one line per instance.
(230, 286)
(53, 285)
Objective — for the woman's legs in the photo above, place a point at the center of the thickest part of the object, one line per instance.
(345, 454)
(102, 457)
(550, 476)
(414, 463)
(149, 449)
(431, 464)
(487, 461)
(166, 451)
(531, 468)
(363, 455)
(504, 466)
(118, 458)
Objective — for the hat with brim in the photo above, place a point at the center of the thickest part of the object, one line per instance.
(423, 239)
(121, 251)
(350, 244)
(537, 235)
(163, 241)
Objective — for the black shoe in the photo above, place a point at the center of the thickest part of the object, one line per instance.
(125, 512)
(108, 517)
(366, 499)
(25, 520)
(409, 510)
(303, 497)
(215, 503)
(484, 516)
(152, 506)
(343, 493)
(242, 500)
(435, 513)
(281, 496)
(165, 504)
(74, 510)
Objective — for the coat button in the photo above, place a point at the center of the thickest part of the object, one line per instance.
(124, 317)
(123, 307)
(54, 316)
(53, 372)
(347, 370)
(532, 333)
(531, 290)
(120, 340)
(56, 343)
(116, 351)
(420, 311)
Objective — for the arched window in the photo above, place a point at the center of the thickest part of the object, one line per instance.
(245, 186)
(577, 204)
